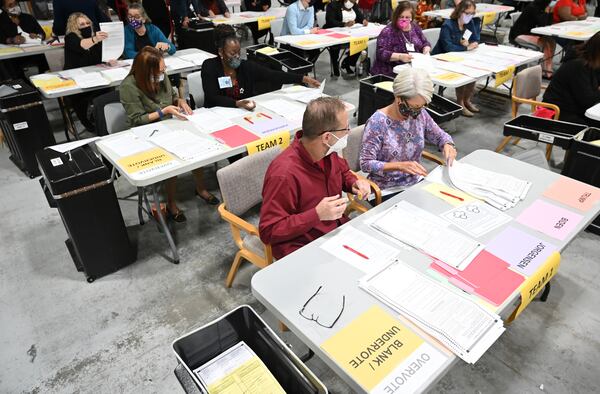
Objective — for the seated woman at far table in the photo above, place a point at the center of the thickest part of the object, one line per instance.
(147, 96)
(395, 136)
(398, 40)
(140, 32)
(229, 81)
(212, 8)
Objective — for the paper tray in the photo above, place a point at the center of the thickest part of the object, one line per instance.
(243, 324)
(549, 131)
(442, 110)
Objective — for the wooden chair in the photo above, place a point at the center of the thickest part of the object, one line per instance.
(527, 86)
(241, 186)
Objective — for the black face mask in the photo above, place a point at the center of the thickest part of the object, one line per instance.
(407, 111)
(86, 32)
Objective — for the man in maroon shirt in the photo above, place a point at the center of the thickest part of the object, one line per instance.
(302, 192)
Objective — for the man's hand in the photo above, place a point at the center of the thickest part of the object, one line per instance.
(365, 22)
(265, 7)
(227, 15)
(211, 14)
(411, 167)
(331, 208)
(313, 83)
(464, 42)
(361, 189)
(314, 30)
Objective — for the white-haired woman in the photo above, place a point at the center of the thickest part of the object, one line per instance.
(395, 136)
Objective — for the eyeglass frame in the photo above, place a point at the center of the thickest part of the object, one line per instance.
(312, 314)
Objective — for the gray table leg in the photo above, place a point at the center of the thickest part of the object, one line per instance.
(163, 224)
(140, 204)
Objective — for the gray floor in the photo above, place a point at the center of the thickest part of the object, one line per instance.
(61, 334)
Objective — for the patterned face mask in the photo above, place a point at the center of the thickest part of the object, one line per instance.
(407, 111)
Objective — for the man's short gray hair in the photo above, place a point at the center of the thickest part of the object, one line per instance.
(411, 82)
(320, 116)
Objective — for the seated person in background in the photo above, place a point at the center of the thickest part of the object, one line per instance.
(228, 81)
(422, 7)
(83, 47)
(569, 10)
(398, 39)
(461, 33)
(181, 12)
(64, 8)
(302, 191)
(452, 3)
(258, 6)
(343, 13)
(213, 7)
(395, 136)
(147, 96)
(158, 13)
(140, 32)
(575, 85)
(535, 14)
(300, 19)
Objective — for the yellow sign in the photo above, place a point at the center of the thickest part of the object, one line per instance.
(281, 139)
(7, 50)
(451, 196)
(264, 22)
(326, 1)
(146, 160)
(451, 76)
(449, 57)
(371, 346)
(536, 282)
(504, 75)
(489, 18)
(358, 44)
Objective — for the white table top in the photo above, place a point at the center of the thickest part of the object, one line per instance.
(284, 286)
(97, 68)
(572, 30)
(319, 41)
(482, 8)
(22, 51)
(239, 18)
(593, 112)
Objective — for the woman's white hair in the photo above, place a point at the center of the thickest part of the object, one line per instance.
(411, 82)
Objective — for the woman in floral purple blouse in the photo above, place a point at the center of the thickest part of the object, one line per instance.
(398, 39)
(395, 136)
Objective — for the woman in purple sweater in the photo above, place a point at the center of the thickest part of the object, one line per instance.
(398, 39)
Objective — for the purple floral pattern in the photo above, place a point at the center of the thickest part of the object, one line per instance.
(391, 41)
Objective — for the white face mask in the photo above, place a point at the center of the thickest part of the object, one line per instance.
(348, 5)
(160, 78)
(16, 10)
(339, 145)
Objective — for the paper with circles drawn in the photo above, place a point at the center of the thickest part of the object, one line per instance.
(476, 218)
(549, 219)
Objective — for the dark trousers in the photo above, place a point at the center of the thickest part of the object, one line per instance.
(310, 55)
(334, 55)
(256, 34)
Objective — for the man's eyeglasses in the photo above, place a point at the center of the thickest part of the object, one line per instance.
(316, 319)
(346, 129)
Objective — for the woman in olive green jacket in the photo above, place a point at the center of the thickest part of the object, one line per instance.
(147, 96)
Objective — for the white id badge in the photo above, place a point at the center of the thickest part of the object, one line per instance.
(410, 47)
(467, 34)
(225, 82)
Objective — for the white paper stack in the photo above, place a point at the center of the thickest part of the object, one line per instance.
(465, 327)
(115, 74)
(429, 234)
(176, 63)
(90, 80)
(197, 58)
(208, 121)
(499, 190)
(186, 145)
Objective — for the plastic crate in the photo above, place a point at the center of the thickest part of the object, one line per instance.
(442, 110)
(549, 131)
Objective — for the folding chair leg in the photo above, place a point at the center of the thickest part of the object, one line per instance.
(517, 140)
(548, 151)
(504, 142)
(545, 293)
(283, 327)
(234, 269)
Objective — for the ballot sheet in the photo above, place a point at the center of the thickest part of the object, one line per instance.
(186, 145)
(113, 46)
(476, 218)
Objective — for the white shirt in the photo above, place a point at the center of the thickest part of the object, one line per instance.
(348, 16)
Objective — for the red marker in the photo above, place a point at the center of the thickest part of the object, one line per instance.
(248, 120)
(452, 195)
(355, 251)
(265, 115)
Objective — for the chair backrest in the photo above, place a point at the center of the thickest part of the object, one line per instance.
(321, 18)
(514, 16)
(195, 88)
(372, 50)
(100, 102)
(528, 83)
(116, 117)
(56, 60)
(352, 150)
(432, 35)
(241, 182)
(276, 25)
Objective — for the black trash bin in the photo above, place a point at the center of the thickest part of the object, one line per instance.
(582, 162)
(24, 123)
(243, 324)
(282, 61)
(199, 35)
(80, 186)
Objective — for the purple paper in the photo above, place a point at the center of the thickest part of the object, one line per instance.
(550, 219)
(524, 252)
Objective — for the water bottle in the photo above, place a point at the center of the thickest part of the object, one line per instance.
(361, 63)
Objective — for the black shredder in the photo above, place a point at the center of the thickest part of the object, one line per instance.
(24, 123)
(80, 186)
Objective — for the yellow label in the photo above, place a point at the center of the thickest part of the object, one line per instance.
(489, 18)
(264, 22)
(504, 75)
(451, 196)
(536, 282)
(145, 160)
(7, 50)
(280, 139)
(449, 57)
(358, 44)
(371, 346)
(448, 76)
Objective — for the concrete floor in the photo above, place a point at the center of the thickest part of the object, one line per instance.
(60, 334)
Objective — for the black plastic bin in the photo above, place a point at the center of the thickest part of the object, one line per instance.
(283, 61)
(442, 110)
(25, 124)
(582, 162)
(80, 186)
(201, 36)
(243, 324)
(550, 131)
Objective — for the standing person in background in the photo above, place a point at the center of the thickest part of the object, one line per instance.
(213, 8)
(140, 32)
(365, 7)
(64, 8)
(258, 6)
(300, 19)
(461, 33)
(398, 39)
(182, 11)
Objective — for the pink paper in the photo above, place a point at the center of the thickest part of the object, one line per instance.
(324, 31)
(234, 136)
(338, 35)
(451, 270)
(549, 219)
(499, 289)
(484, 268)
(573, 193)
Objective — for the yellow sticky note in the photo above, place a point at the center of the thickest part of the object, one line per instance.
(267, 51)
(371, 346)
(308, 42)
(7, 50)
(449, 57)
(489, 18)
(451, 196)
(385, 85)
(54, 83)
(358, 44)
(536, 282)
(264, 22)
(504, 75)
(450, 76)
(280, 139)
(145, 160)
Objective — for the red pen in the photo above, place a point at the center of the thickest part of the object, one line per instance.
(452, 195)
(355, 251)
(265, 115)
(248, 120)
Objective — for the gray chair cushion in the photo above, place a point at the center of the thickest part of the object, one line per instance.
(254, 244)
(529, 83)
(116, 117)
(352, 151)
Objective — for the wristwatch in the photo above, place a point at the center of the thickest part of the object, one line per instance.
(160, 113)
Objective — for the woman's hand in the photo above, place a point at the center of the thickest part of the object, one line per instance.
(227, 15)
(265, 7)
(173, 110)
(464, 42)
(113, 62)
(449, 154)
(100, 36)
(183, 105)
(401, 57)
(365, 22)
(349, 23)
(162, 46)
(211, 14)
(411, 167)
(246, 104)
(426, 50)
(313, 83)
(472, 46)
